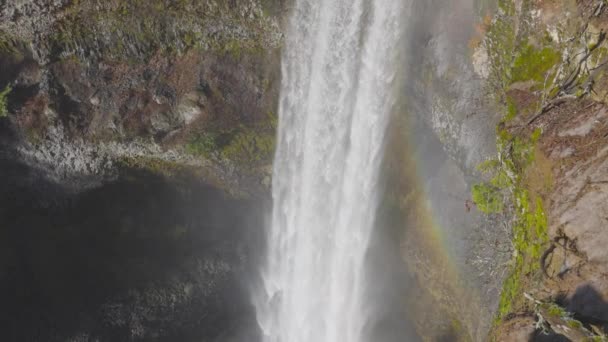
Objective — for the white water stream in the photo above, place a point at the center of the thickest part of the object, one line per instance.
(337, 95)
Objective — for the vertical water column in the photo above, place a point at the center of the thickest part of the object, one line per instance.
(337, 94)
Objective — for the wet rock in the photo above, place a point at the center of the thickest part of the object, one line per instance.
(139, 258)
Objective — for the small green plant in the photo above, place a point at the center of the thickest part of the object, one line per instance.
(553, 317)
(3, 101)
(556, 311)
(574, 324)
(488, 198)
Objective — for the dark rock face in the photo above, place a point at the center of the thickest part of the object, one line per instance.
(98, 240)
(165, 98)
(196, 78)
(142, 258)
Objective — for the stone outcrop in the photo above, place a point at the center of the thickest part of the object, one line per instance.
(197, 78)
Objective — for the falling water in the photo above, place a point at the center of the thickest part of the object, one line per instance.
(337, 96)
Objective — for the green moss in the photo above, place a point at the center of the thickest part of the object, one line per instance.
(500, 42)
(154, 165)
(272, 7)
(520, 52)
(513, 59)
(511, 110)
(530, 230)
(515, 155)
(136, 30)
(558, 315)
(250, 147)
(533, 64)
(599, 54)
(530, 237)
(3, 101)
(246, 145)
(203, 144)
(234, 48)
(514, 62)
(556, 311)
(574, 324)
(511, 290)
(9, 45)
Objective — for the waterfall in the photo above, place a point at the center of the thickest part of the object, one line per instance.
(337, 94)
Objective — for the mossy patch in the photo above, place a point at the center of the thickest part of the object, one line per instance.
(242, 145)
(250, 147)
(133, 30)
(487, 198)
(517, 179)
(500, 42)
(530, 237)
(4, 101)
(255, 145)
(12, 46)
(245, 145)
(533, 63)
(511, 110)
(516, 154)
(534, 68)
(153, 165)
(202, 144)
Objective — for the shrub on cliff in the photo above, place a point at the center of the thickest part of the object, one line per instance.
(487, 198)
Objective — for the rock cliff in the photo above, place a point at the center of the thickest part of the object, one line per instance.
(136, 139)
(545, 62)
(188, 82)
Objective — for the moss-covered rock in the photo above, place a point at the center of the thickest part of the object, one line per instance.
(545, 75)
